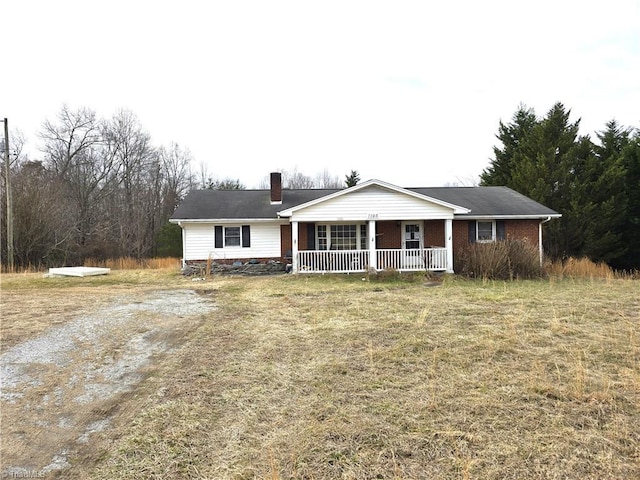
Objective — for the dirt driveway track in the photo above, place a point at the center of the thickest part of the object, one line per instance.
(67, 383)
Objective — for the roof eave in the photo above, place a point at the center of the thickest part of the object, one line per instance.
(224, 220)
(457, 209)
(511, 217)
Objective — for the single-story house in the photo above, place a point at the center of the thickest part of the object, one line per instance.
(373, 225)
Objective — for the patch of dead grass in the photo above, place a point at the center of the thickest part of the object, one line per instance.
(311, 377)
(31, 303)
(68, 404)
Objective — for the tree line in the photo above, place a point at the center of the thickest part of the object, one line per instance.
(594, 184)
(103, 190)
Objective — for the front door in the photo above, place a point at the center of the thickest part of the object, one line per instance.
(412, 244)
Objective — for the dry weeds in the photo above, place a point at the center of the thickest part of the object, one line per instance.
(325, 377)
(30, 303)
(585, 268)
(56, 400)
(129, 263)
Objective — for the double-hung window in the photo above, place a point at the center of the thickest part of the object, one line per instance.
(232, 236)
(341, 237)
(485, 231)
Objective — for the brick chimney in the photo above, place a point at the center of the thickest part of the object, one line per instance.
(276, 188)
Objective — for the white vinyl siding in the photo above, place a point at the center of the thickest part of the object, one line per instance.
(372, 203)
(199, 242)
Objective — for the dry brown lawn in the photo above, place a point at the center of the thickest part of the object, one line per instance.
(335, 377)
(31, 303)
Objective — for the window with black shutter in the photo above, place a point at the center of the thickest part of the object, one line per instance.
(486, 231)
(232, 236)
(246, 236)
(218, 238)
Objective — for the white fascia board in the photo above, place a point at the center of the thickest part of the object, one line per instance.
(228, 220)
(507, 217)
(457, 209)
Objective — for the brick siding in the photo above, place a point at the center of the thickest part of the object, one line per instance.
(523, 229)
(434, 233)
(388, 235)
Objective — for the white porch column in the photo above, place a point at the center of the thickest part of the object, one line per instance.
(294, 247)
(448, 243)
(373, 258)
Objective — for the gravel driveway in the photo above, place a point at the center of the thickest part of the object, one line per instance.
(59, 389)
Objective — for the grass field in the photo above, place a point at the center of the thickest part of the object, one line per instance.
(336, 377)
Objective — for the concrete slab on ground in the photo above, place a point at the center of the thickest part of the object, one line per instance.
(78, 271)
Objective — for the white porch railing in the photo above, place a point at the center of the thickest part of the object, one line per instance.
(334, 261)
(352, 261)
(412, 260)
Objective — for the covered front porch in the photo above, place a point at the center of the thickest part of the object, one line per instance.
(372, 246)
(370, 227)
(357, 261)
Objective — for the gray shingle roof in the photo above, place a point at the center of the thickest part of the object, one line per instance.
(222, 204)
(488, 201)
(255, 204)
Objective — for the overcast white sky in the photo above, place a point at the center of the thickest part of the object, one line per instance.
(406, 92)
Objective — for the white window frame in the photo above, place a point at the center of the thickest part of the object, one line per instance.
(493, 231)
(239, 236)
(322, 239)
(326, 227)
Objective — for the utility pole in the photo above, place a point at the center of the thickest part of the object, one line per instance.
(9, 199)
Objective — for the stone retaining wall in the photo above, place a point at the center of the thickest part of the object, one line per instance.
(270, 267)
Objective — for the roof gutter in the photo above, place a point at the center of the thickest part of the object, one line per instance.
(180, 221)
(541, 250)
(544, 218)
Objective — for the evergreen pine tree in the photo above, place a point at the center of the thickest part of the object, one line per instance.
(603, 197)
(631, 232)
(512, 135)
(352, 179)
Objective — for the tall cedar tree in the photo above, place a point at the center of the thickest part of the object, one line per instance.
(604, 198)
(512, 136)
(548, 161)
(631, 233)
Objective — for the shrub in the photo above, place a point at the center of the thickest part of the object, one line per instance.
(504, 260)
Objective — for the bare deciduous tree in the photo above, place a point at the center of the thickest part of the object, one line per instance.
(325, 180)
(295, 179)
(133, 157)
(42, 216)
(74, 151)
